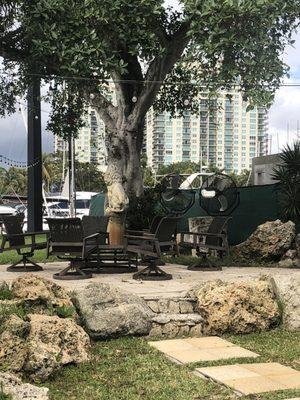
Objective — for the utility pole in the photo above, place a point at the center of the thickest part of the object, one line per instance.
(34, 160)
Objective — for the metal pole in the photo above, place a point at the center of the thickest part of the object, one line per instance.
(71, 167)
(34, 160)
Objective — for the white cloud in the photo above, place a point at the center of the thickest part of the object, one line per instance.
(285, 112)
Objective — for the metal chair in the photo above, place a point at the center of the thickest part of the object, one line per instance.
(16, 240)
(151, 247)
(96, 224)
(215, 239)
(67, 241)
(152, 227)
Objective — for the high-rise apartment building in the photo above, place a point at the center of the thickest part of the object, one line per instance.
(223, 134)
(90, 142)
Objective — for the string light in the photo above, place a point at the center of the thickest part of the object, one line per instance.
(18, 164)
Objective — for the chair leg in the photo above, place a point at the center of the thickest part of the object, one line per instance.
(204, 264)
(73, 271)
(16, 267)
(152, 273)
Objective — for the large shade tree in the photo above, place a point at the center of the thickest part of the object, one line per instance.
(153, 55)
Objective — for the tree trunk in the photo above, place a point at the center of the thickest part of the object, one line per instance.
(123, 178)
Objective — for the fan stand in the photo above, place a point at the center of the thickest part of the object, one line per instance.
(152, 272)
(204, 265)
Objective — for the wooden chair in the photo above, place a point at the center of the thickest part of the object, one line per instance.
(16, 240)
(204, 242)
(68, 241)
(151, 247)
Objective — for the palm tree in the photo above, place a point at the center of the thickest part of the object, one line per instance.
(47, 169)
(288, 175)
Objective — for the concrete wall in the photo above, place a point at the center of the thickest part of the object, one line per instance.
(262, 169)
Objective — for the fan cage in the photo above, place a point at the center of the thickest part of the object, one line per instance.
(226, 197)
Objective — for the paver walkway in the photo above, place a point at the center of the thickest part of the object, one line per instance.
(254, 378)
(243, 378)
(210, 348)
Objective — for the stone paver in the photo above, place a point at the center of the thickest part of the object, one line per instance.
(254, 378)
(201, 349)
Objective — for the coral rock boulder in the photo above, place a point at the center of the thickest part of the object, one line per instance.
(39, 293)
(52, 343)
(239, 307)
(13, 349)
(107, 311)
(288, 291)
(13, 386)
(270, 241)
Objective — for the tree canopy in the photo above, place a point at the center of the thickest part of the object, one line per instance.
(151, 54)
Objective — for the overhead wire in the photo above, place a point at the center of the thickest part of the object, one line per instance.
(135, 81)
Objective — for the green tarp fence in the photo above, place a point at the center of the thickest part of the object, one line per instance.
(258, 204)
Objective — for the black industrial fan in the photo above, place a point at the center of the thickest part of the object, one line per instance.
(177, 195)
(219, 195)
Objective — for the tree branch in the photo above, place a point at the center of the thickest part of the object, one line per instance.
(105, 109)
(158, 70)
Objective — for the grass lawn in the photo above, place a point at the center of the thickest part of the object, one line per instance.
(9, 257)
(129, 369)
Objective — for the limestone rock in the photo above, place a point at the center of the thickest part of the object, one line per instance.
(288, 291)
(268, 242)
(173, 325)
(286, 263)
(54, 342)
(239, 307)
(39, 293)
(13, 350)
(107, 311)
(22, 391)
(290, 254)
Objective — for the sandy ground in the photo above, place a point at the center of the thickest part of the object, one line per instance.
(182, 281)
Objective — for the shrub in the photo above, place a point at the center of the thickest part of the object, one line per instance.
(5, 292)
(65, 311)
(288, 175)
(142, 210)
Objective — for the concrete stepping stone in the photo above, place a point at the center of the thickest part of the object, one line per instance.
(210, 348)
(254, 378)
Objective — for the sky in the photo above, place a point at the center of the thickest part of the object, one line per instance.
(283, 115)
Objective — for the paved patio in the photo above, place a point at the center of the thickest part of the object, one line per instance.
(182, 281)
